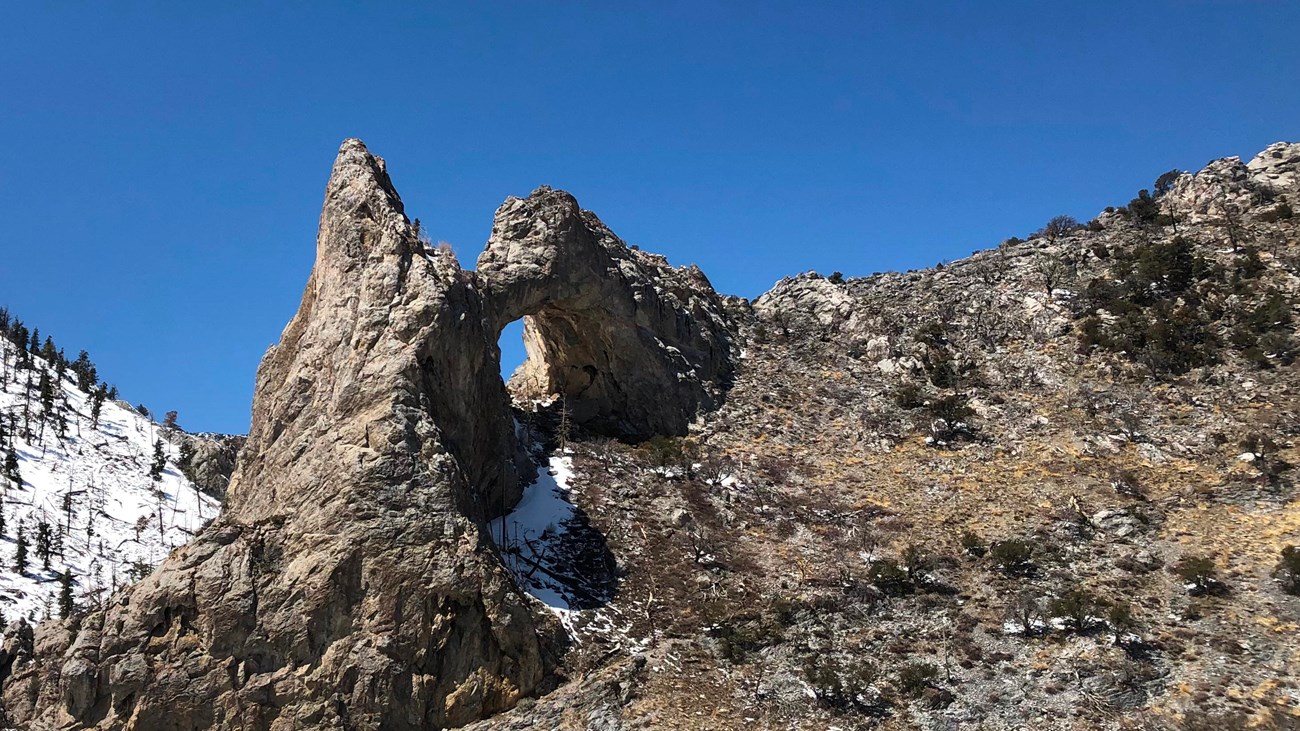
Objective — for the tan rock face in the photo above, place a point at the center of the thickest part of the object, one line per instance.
(348, 584)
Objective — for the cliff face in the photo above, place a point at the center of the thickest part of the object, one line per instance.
(349, 584)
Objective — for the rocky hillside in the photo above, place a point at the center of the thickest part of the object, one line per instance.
(1048, 486)
(93, 494)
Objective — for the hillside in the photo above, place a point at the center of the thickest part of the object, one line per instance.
(911, 467)
(83, 501)
(1048, 486)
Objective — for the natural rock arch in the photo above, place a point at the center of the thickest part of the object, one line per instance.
(636, 346)
(350, 583)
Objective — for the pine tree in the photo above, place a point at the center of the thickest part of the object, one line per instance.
(85, 372)
(11, 468)
(66, 604)
(159, 461)
(97, 405)
(20, 552)
(46, 391)
(44, 544)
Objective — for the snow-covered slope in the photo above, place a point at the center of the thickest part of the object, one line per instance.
(108, 520)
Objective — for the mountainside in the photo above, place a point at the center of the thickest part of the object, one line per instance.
(79, 496)
(1048, 486)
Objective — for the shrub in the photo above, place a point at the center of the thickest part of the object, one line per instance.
(941, 368)
(931, 333)
(1288, 570)
(1013, 557)
(916, 562)
(890, 578)
(668, 454)
(843, 686)
(739, 637)
(1143, 209)
(952, 409)
(1027, 611)
(1058, 227)
(1076, 607)
(909, 396)
(972, 544)
(1248, 265)
(915, 677)
(1200, 574)
(948, 416)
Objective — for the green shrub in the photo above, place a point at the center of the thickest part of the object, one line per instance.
(916, 561)
(1076, 607)
(915, 677)
(1143, 209)
(1200, 574)
(671, 455)
(1013, 557)
(890, 578)
(952, 409)
(1119, 615)
(841, 685)
(972, 544)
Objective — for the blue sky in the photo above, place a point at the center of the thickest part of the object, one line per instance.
(162, 165)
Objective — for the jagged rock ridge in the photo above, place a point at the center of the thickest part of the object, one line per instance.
(349, 583)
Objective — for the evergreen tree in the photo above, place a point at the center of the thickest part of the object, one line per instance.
(66, 604)
(18, 335)
(46, 392)
(20, 552)
(11, 468)
(159, 461)
(96, 405)
(85, 372)
(44, 544)
(49, 352)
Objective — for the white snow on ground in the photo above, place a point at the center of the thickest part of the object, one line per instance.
(524, 534)
(118, 520)
(542, 538)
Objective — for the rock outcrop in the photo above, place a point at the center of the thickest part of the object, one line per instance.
(636, 346)
(208, 460)
(349, 584)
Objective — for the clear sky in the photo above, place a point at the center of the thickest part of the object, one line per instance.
(162, 165)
